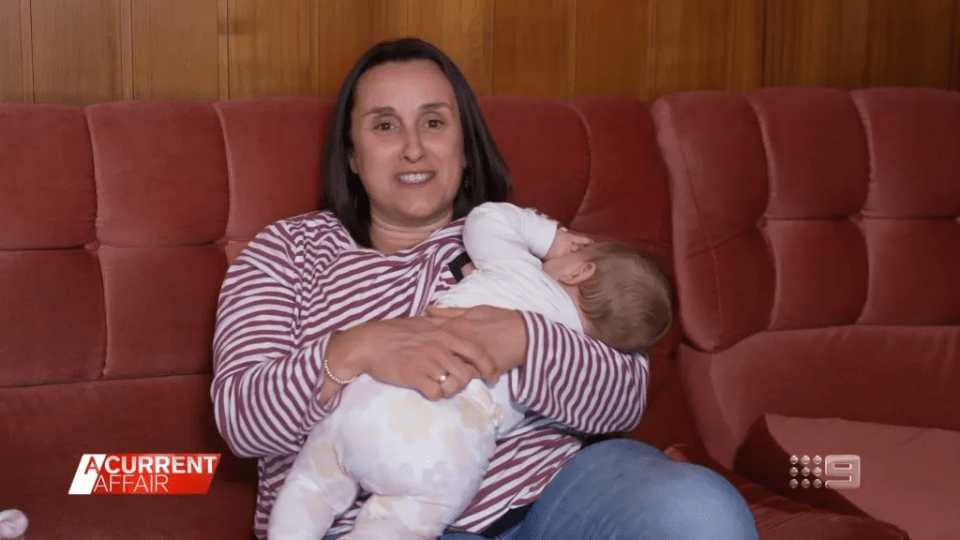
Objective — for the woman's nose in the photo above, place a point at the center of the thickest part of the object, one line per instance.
(413, 147)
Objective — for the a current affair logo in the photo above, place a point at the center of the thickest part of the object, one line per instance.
(144, 474)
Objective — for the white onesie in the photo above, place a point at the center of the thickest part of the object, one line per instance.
(423, 460)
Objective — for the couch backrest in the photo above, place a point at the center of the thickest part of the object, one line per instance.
(819, 229)
(804, 208)
(118, 222)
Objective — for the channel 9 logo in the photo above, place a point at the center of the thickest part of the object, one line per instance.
(843, 468)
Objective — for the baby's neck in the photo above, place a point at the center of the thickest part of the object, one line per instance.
(574, 292)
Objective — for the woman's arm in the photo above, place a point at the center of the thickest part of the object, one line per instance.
(580, 381)
(264, 391)
(560, 373)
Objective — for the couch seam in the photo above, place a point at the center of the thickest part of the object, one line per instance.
(590, 147)
(871, 182)
(103, 380)
(693, 197)
(96, 237)
(768, 162)
(229, 172)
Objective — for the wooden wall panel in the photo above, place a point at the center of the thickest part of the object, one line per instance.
(11, 59)
(76, 51)
(274, 48)
(615, 48)
(348, 29)
(697, 45)
(908, 41)
(745, 37)
(175, 50)
(87, 51)
(816, 42)
(955, 48)
(463, 30)
(533, 42)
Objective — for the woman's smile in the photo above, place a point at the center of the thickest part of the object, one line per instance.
(416, 177)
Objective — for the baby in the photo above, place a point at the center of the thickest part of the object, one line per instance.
(423, 460)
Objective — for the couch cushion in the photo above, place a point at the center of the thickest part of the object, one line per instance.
(46, 171)
(47, 428)
(815, 265)
(850, 372)
(161, 173)
(273, 149)
(779, 518)
(52, 326)
(801, 208)
(908, 476)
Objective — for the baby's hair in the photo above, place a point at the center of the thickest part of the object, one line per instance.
(628, 298)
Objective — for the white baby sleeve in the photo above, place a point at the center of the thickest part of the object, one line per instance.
(504, 231)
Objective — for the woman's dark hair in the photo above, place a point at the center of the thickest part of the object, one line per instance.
(485, 177)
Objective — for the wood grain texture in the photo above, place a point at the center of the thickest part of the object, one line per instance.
(223, 49)
(126, 48)
(26, 50)
(274, 48)
(76, 51)
(11, 57)
(910, 43)
(745, 38)
(955, 49)
(614, 48)
(463, 30)
(530, 48)
(816, 42)
(80, 52)
(349, 29)
(692, 45)
(175, 50)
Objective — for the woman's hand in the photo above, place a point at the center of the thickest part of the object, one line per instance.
(501, 332)
(417, 352)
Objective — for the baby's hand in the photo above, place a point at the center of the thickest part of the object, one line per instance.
(565, 243)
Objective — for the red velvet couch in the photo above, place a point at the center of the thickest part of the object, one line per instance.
(812, 233)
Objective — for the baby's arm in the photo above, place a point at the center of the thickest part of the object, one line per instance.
(504, 231)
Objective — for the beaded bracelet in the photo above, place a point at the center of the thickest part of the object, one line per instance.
(326, 369)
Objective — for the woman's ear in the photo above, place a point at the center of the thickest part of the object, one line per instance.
(578, 273)
(352, 161)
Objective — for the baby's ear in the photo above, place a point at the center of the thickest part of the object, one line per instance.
(579, 273)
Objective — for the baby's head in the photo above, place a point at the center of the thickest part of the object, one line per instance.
(622, 292)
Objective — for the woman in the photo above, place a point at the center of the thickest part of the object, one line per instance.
(315, 300)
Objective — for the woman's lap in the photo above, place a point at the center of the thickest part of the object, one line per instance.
(624, 489)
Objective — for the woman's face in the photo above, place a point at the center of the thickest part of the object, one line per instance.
(407, 143)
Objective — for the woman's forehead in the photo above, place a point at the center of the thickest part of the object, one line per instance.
(413, 84)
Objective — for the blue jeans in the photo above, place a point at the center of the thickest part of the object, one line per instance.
(623, 489)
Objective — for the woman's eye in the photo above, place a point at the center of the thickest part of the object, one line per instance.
(383, 126)
(434, 123)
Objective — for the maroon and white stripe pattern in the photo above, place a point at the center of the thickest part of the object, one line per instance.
(304, 278)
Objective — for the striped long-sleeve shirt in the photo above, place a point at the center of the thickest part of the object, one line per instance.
(304, 278)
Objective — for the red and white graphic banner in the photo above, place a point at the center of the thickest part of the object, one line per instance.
(144, 474)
